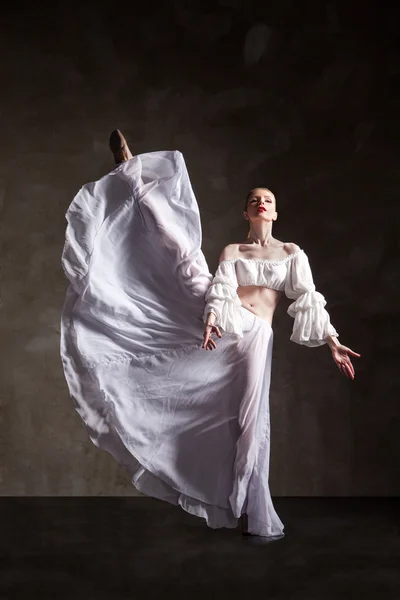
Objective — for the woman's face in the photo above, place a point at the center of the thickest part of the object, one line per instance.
(261, 206)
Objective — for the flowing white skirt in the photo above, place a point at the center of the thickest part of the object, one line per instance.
(192, 426)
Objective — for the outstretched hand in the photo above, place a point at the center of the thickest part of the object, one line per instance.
(209, 343)
(341, 355)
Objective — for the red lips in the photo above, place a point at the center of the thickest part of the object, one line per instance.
(261, 209)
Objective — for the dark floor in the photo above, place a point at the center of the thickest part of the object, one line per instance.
(124, 548)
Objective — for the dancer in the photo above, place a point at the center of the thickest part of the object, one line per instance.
(192, 427)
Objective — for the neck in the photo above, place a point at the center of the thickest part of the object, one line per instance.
(261, 234)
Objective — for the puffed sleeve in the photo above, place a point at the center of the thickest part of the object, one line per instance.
(222, 299)
(311, 321)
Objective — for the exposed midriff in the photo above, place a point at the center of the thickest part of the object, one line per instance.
(260, 300)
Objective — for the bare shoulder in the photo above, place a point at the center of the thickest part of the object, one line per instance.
(285, 249)
(278, 250)
(229, 252)
(290, 248)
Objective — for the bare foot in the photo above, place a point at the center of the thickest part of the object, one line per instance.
(119, 147)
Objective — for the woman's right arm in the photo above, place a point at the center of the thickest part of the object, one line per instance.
(212, 316)
(222, 301)
(209, 328)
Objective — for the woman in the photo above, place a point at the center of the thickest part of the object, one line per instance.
(191, 427)
(262, 300)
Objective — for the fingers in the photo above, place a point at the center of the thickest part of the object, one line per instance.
(211, 344)
(350, 370)
(349, 351)
(342, 360)
(208, 343)
(342, 369)
(347, 369)
(205, 340)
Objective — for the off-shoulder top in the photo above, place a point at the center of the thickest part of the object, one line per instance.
(291, 275)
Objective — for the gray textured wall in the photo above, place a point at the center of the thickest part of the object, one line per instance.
(301, 97)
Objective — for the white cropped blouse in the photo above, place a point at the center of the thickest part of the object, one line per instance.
(291, 275)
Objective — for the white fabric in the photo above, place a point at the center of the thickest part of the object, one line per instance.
(192, 426)
(291, 274)
(222, 299)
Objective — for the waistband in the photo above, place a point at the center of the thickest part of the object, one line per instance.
(249, 320)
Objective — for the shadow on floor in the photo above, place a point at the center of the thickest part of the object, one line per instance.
(124, 548)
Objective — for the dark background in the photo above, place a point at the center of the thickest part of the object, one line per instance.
(299, 96)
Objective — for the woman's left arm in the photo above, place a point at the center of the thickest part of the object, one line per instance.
(312, 326)
(341, 355)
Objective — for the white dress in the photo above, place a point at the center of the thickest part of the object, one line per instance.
(191, 426)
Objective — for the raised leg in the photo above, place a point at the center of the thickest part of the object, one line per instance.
(119, 147)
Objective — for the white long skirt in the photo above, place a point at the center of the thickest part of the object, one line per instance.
(192, 426)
